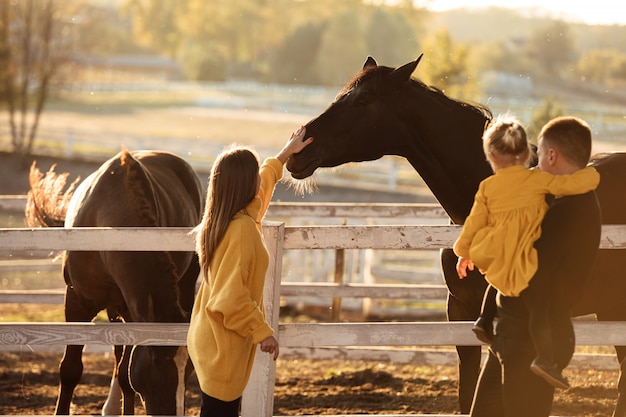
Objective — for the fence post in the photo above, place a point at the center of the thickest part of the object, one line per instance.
(340, 261)
(258, 397)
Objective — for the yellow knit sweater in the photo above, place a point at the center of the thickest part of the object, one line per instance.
(228, 318)
(505, 221)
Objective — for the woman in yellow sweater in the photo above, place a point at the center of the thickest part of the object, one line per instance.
(502, 227)
(228, 319)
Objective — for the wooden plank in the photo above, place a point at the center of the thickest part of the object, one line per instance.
(370, 237)
(32, 296)
(296, 237)
(98, 238)
(164, 334)
(402, 237)
(15, 203)
(329, 290)
(588, 333)
(33, 265)
(321, 289)
(324, 290)
(357, 210)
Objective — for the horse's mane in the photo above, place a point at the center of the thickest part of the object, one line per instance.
(376, 73)
(140, 193)
(480, 108)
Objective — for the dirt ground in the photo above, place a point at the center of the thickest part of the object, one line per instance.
(29, 381)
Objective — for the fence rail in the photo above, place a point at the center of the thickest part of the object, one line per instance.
(295, 237)
(310, 335)
(258, 397)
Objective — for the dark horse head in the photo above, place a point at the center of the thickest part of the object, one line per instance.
(383, 111)
(132, 189)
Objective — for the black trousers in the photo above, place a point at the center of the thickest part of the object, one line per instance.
(542, 315)
(506, 386)
(212, 407)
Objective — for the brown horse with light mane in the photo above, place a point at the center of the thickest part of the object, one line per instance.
(132, 189)
(384, 111)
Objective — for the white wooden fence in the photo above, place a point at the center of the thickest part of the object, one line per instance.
(258, 397)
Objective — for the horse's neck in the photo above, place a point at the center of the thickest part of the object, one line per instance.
(450, 160)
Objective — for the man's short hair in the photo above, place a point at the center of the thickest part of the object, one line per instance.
(572, 137)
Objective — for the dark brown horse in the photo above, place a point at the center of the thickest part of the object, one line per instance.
(132, 189)
(384, 111)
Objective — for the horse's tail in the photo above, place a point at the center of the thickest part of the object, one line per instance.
(47, 202)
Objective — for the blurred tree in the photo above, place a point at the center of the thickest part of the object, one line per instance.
(620, 69)
(343, 49)
(102, 31)
(602, 66)
(155, 23)
(445, 65)
(5, 54)
(501, 56)
(551, 48)
(549, 109)
(36, 42)
(294, 60)
(596, 66)
(203, 61)
(390, 38)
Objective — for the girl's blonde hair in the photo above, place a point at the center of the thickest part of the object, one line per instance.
(505, 139)
(232, 186)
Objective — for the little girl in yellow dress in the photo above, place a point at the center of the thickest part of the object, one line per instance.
(503, 225)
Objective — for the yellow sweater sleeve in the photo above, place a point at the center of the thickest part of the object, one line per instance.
(476, 220)
(271, 172)
(579, 182)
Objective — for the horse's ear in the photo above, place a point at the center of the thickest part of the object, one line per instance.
(419, 58)
(370, 62)
(403, 73)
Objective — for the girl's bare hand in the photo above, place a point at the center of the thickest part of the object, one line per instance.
(295, 144)
(270, 345)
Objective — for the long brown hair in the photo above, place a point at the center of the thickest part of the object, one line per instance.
(232, 186)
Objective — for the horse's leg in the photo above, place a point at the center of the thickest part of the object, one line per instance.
(112, 405)
(70, 372)
(121, 398)
(128, 393)
(71, 366)
(463, 304)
